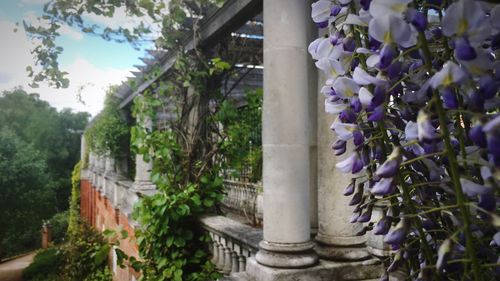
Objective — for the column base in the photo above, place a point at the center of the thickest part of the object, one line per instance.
(286, 255)
(341, 248)
(323, 271)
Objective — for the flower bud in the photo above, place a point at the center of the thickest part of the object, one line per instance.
(477, 136)
(463, 49)
(387, 54)
(390, 167)
(349, 190)
(385, 186)
(449, 98)
(382, 226)
(378, 114)
(417, 19)
(398, 235)
(487, 87)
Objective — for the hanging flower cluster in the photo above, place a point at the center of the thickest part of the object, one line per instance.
(415, 88)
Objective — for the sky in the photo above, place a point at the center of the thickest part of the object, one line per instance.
(93, 64)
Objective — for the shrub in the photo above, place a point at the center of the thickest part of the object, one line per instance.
(44, 266)
(59, 223)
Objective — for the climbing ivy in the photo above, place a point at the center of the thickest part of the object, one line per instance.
(185, 155)
(74, 203)
(109, 131)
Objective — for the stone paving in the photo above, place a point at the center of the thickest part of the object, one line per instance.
(12, 270)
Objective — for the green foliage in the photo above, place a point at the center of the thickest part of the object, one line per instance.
(83, 258)
(59, 225)
(74, 204)
(109, 132)
(45, 266)
(26, 198)
(38, 148)
(242, 146)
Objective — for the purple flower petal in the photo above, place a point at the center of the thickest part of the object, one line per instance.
(387, 54)
(338, 144)
(449, 98)
(487, 87)
(349, 190)
(349, 44)
(396, 237)
(335, 10)
(463, 49)
(473, 189)
(487, 202)
(378, 114)
(394, 70)
(391, 166)
(477, 136)
(356, 104)
(382, 226)
(356, 199)
(383, 187)
(366, 216)
(365, 4)
(357, 166)
(417, 19)
(358, 138)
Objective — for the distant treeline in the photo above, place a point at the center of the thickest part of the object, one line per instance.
(39, 147)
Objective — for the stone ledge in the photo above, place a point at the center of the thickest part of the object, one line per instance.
(324, 271)
(242, 233)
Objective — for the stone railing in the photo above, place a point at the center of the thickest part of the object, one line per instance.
(232, 243)
(243, 199)
(118, 189)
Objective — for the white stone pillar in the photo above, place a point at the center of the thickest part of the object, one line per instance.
(143, 168)
(336, 238)
(286, 136)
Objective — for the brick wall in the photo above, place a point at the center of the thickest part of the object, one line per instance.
(100, 213)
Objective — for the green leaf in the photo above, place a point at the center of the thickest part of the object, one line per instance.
(101, 255)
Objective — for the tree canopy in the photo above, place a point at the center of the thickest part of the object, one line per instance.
(38, 148)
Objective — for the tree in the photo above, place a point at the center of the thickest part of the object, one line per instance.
(56, 135)
(26, 198)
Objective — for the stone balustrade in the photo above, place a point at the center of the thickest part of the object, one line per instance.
(242, 199)
(232, 243)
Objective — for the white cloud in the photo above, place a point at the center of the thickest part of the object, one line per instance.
(71, 32)
(15, 56)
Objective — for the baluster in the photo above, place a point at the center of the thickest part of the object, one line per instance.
(242, 262)
(234, 262)
(227, 258)
(220, 262)
(215, 249)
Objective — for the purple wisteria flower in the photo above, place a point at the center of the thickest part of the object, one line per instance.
(422, 78)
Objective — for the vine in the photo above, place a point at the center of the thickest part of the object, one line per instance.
(109, 132)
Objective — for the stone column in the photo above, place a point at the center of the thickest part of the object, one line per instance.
(336, 238)
(143, 168)
(286, 137)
